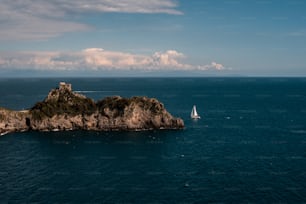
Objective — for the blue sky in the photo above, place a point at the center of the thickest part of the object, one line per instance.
(156, 37)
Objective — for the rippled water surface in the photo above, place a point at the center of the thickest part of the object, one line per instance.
(249, 146)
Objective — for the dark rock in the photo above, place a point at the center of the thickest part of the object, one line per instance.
(64, 109)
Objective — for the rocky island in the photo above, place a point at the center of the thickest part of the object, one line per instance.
(64, 110)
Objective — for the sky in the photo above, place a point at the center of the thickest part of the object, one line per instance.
(152, 38)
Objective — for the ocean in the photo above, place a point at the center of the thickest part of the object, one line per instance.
(248, 147)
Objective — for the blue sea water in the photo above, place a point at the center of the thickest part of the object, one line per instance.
(249, 146)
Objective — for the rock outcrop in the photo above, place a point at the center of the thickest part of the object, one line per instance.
(64, 109)
(13, 121)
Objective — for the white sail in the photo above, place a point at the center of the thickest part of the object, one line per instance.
(194, 113)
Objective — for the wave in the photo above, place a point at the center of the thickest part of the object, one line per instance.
(298, 131)
(80, 91)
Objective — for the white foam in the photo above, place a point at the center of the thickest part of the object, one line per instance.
(4, 133)
(90, 91)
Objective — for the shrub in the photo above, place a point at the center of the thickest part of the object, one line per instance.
(67, 103)
(2, 117)
(113, 103)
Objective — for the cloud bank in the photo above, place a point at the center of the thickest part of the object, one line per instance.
(41, 19)
(100, 59)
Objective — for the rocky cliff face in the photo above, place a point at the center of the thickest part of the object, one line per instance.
(13, 121)
(64, 109)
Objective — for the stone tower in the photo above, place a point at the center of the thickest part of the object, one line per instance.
(64, 86)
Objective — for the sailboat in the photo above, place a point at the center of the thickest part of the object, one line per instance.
(194, 114)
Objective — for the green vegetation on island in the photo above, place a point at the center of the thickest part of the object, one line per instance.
(64, 109)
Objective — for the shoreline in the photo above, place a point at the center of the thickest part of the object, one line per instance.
(64, 110)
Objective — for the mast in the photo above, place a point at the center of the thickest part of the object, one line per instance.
(192, 112)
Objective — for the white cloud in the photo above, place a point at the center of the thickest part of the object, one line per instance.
(27, 20)
(296, 34)
(100, 59)
(217, 66)
(41, 19)
(169, 58)
(122, 6)
(212, 65)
